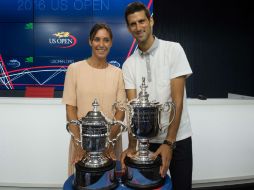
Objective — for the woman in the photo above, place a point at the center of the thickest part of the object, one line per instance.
(89, 79)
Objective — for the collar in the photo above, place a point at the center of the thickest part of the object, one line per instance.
(152, 49)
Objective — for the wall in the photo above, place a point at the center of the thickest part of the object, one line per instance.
(217, 39)
(34, 142)
(222, 140)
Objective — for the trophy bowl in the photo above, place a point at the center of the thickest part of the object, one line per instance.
(144, 119)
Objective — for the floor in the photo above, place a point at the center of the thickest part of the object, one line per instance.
(247, 186)
(28, 188)
(231, 187)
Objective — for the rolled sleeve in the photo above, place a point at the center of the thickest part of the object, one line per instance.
(180, 66)
(128, 76)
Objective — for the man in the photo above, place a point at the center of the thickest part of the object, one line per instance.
(165, 67)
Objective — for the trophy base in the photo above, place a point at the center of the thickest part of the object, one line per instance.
(140, 158)
(143, 176)
(95, 161)
(102, 178)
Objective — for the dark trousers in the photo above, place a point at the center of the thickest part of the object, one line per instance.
(181, 164)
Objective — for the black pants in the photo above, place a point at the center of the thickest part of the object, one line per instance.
(181, 164)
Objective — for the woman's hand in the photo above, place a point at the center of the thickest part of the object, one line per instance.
(130, 152)
(78, 153)
(110, 153)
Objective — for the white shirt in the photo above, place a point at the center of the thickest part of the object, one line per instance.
(167, 61)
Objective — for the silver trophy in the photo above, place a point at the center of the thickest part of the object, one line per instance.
(94, 138)
(144, 124)
(144, 117)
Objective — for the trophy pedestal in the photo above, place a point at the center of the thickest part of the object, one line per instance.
(143, 176)
(102, 178)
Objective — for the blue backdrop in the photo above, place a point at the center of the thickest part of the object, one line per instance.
(40, 38)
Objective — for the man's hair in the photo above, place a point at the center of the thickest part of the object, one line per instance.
(97, 27)
(136, 7)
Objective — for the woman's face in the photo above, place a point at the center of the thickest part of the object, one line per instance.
(101, 44)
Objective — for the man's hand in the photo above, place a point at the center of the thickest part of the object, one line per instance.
(128, 152)
(166, 155)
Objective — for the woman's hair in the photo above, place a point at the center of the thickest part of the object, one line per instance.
(136, 7)
(97, 27)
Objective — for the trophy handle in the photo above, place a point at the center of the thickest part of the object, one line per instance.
(123, 128)
(172, 108)
(167, 107)
(118, 105)
(127, 108)
(78, 124)
(110, 123)
(131, 114)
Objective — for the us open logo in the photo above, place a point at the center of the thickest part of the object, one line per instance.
(63, 40)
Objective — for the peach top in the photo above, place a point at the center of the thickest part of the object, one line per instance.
(84, 83)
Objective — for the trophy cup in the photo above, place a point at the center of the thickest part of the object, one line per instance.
(95, 171)
(144, 123)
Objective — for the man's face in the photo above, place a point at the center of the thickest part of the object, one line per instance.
(140, 26)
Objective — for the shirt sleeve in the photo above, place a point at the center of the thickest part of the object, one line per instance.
(180, 64)
(69, 93)
(128, 76)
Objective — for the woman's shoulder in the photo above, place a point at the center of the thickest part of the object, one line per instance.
(114, 68)
(116, 72)
(77, 65)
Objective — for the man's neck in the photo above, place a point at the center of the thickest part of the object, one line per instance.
(147, 44)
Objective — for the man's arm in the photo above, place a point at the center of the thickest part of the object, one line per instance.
(177, 94)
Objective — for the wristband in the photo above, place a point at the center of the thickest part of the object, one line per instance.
(75, 122)
(172, 145)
